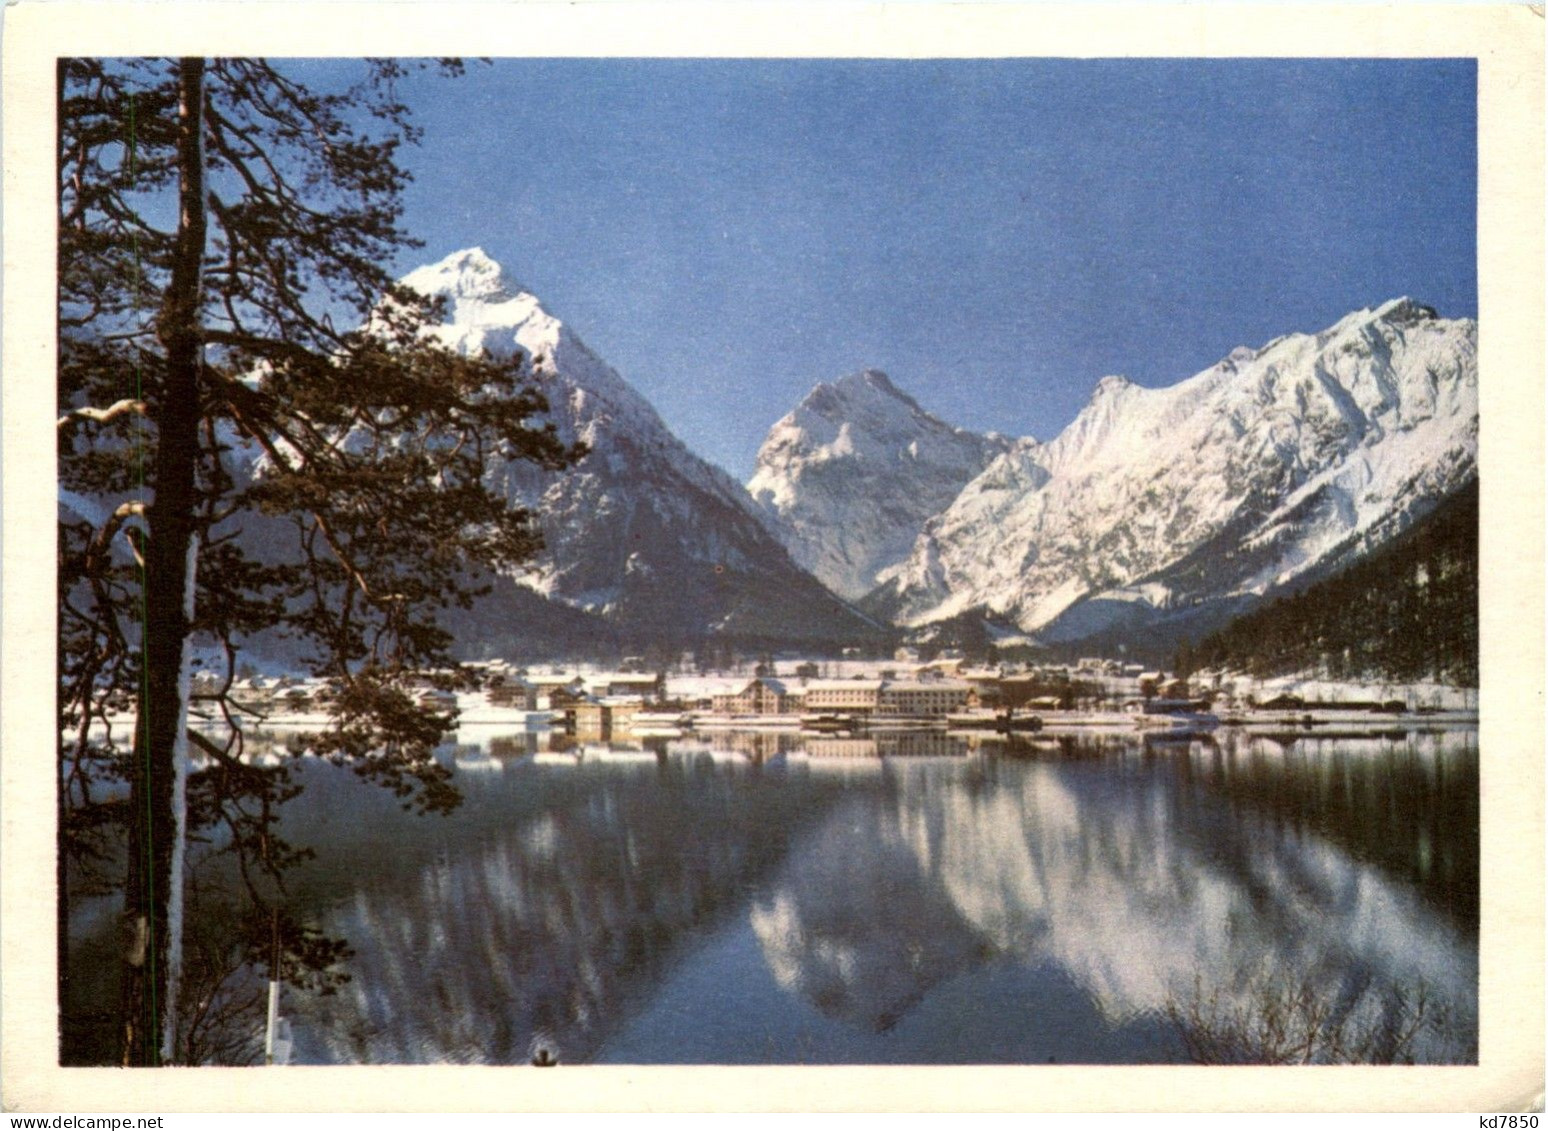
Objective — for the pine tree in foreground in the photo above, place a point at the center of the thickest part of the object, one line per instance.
(216, 220)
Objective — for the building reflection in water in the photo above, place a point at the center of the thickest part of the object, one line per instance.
(871, 873)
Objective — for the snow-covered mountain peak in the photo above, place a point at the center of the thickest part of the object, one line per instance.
(1111, 385)
(487, 310)
(1402, 311)
(469, 273)
(1395, 316)
(849, 476)
(867, 397)
(871, 382)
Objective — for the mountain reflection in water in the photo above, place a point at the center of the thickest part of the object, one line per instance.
(745, 898)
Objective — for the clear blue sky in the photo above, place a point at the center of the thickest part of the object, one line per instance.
(995, 234)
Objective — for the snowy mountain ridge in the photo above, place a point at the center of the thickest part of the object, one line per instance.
(641, 531)
(1270, 463)
(1153, 503)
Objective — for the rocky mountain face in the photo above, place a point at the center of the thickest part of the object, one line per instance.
(849, 478)
(1177, 503)
(641, 535)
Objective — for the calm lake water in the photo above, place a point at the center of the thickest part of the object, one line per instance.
(752, 899)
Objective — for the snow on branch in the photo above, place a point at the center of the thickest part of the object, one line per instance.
(101, 415)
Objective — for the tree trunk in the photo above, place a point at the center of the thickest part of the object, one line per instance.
(150, 952)
(61, 857)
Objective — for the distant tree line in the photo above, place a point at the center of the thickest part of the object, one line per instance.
(1407, 612)
(1071, 693)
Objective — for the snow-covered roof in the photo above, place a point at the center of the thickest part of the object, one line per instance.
(979, 674)
(925, 685)
(704, 686)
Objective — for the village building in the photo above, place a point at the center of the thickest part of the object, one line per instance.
(698, 693)
(761, 696)
(436, 698)
(984, 686)
(517, 694)
(923, 698)
(601, 718)
(607, 684)
(942, 667)
(846, 696)
(489, 671)
(554, 681)
(555, 690)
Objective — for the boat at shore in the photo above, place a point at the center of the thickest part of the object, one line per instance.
(1003, 721)
(661, 718)
(829, 723)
